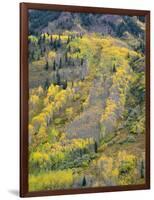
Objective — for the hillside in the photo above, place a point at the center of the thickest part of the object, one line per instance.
(86, 104)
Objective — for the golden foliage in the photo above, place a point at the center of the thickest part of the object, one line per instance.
(51, 180)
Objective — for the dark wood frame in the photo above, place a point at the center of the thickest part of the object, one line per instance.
(24, 92)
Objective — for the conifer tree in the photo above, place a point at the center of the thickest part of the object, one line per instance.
(47, 66)
(64, 84)
(84, 182)
(142, 169)
(81, 61)
(51, 38)
(114, 68)
(66, 57)
(46, 84)
(68, 39)
(95, 147)
(51, 41)
(60, 63)
(55, 44)
(59, 42)
(69, 48)
(57, 78)
(54, 65)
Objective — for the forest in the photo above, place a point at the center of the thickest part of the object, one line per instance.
(86, 100)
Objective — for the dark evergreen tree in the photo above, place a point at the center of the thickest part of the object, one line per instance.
(68, 39)
(84, 182)
(55, 44)
(39, 41)
(141, 18)
(71, 38)
(66, 57)
(31, 55)
(80, 152)
(78, 50)
(82, 61)
(43, 38)
(59, 42)
(114, 68)
(64, 84)
(142, 47)
(29, 41)
(142, 169)
(51, 41)
(60, 63)
(46, 84)
(121, 28)
(54, 65)
(69, 48)
(57, 78)
(68, 61)
(51, 38)
(42, 52)
(47, 66)
(95, 147)
(128, 56)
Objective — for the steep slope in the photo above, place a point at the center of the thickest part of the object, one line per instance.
(58, 22)
(86, 101)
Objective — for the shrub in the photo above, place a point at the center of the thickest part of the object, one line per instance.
(51, 180)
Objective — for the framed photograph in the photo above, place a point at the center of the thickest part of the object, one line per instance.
(84, 99)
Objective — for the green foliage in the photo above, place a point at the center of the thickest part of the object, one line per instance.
(61, 155)
(40, 18)
(135, 103)
(129, 24)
